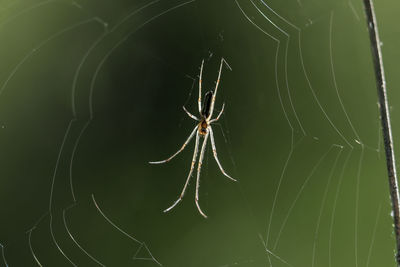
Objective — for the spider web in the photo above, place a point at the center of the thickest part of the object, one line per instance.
(90, 91)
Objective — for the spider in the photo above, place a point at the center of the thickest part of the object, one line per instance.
(201, 130)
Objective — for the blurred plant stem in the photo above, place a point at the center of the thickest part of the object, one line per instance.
(385, 117)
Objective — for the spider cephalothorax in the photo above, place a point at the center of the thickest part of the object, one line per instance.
(203, 128)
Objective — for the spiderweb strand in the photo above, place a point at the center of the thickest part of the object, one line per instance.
(2, 254)
(142, 244)
(339, 185)
(316, 234)
(73, 238)
(271, 253)
(378, 215)
(31, 248)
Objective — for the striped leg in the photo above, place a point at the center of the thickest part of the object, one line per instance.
(200, 81)
(203, 148)
(215, 154)
(179, 151)
(216, 85)
(188, 178)
(219, 115)
(190, 114)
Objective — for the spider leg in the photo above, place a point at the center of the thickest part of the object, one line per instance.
(200, 80)
(219, 115)
(216, 85)
(179, 151)
(203, 148)
(215, 154)
(196, 148)
(190, 114)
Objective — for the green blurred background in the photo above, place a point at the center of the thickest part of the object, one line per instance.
(90, 91)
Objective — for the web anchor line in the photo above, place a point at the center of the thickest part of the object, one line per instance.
(385, 118)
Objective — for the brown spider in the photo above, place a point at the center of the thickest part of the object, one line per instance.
(202, 129)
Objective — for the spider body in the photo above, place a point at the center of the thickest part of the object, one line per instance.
(202, 129)
(205, 113)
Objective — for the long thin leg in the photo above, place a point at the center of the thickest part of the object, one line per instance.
(215, 154)
(179, 151)
(203, 148)
(219, 115)
(190, 114)
(216, 85)
(200, 80)
(196, 148)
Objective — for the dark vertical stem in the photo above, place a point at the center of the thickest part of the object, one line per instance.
(385, 118)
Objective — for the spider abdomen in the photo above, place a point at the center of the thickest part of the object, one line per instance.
(207, 104)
